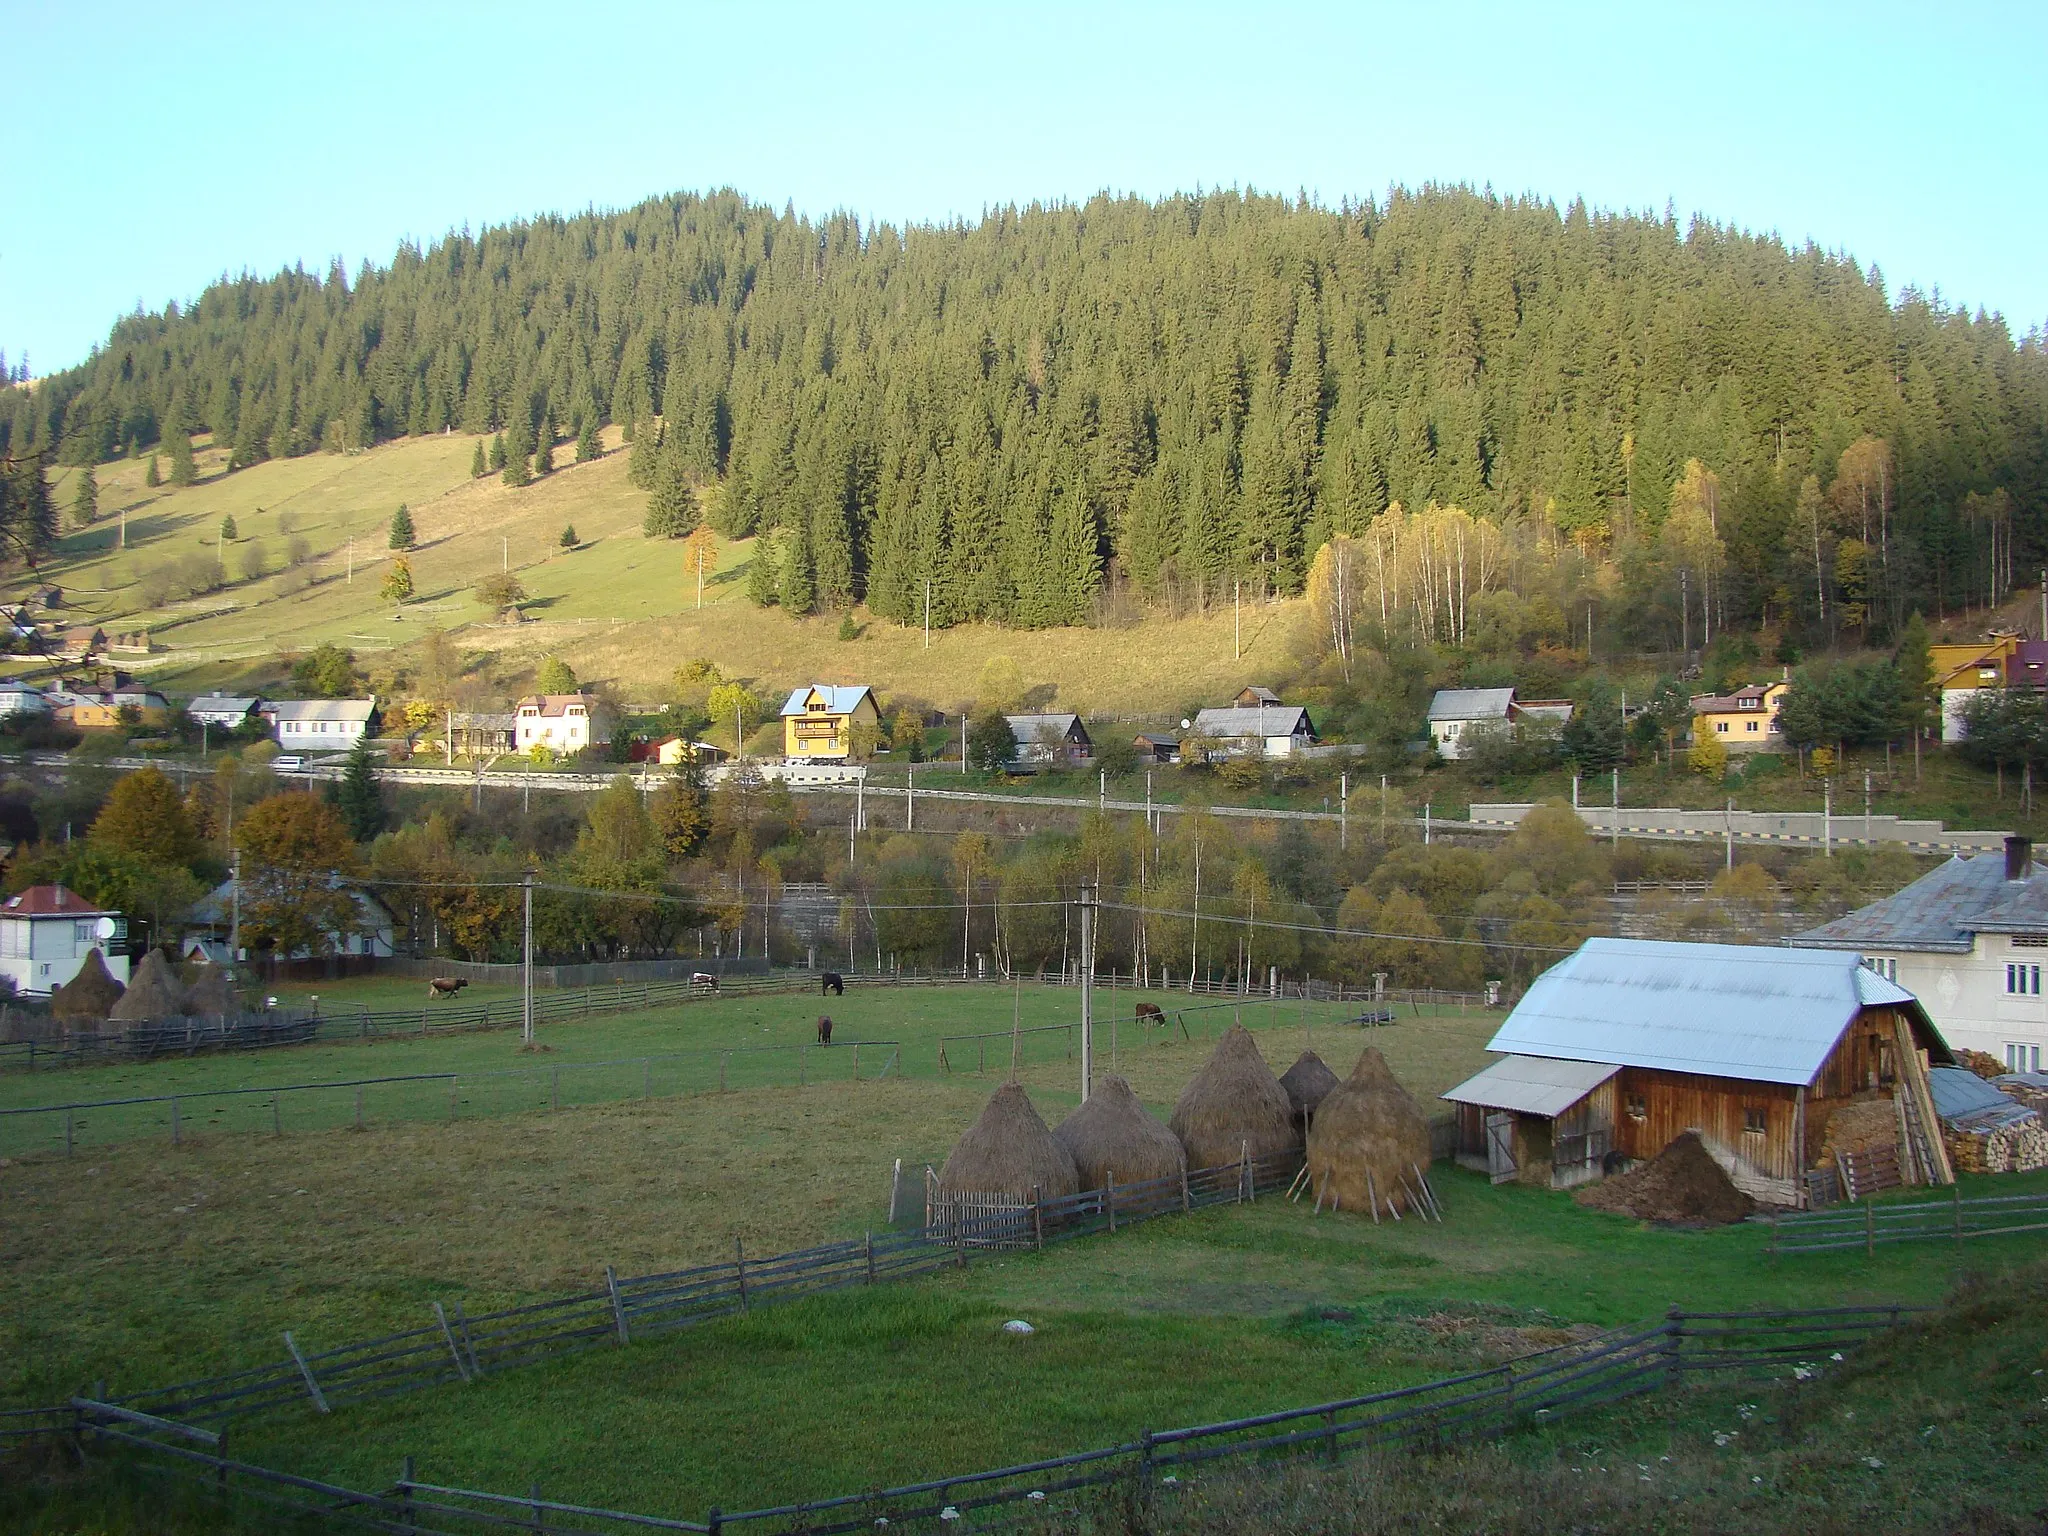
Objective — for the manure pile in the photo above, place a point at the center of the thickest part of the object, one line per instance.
(1680, 1186)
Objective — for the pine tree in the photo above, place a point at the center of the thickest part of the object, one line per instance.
(498, 455)
(85, 505)
(589, 446)
(402, 534)
(671, 505)
(799, 591)
(184, 470)
(152, 477)
(519, 453)
(568, 539)
(479, 466)
(228, 531)
(544, 448)
(357, 797)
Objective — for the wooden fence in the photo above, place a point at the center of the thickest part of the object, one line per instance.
(1868, 1224)
(1525, 1392)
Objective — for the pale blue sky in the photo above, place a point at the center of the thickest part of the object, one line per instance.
(151, 147)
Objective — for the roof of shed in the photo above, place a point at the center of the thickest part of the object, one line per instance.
(1027, 727)
(1532, 1085)
(1471, 703)
(1719, 1010)
(1238, 720)
(1943, 910)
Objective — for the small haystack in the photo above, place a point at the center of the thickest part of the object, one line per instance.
(1008, 1151)
(1369, 1143)
(212, 995)
(91, 994)
(1112, 1136)
(1234, 1105)
(154, 992)
(1308, 1082)
(1680, 1186)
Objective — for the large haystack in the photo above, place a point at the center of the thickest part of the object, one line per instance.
(1680, 1186)
(1368, 1141)
(154, 992)
(1112, 1136)
(212, 995)
(1233, 1105)
(1008, 1151)
(91, 994)
(1308, 1082)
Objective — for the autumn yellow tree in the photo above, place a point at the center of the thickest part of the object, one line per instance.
(700, 556)
(1692, 543)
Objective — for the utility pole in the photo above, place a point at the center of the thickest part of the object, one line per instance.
(1087, 989)
(910, 802)
(351, 559)
(1614, 824)
(1343, 811)
(1236, 624)
(927, 615)
(1728, 831)
(526, 1011)
(1102, 790)
(235, 909)
(1827, 817)
(1866, 805)
(504, 555)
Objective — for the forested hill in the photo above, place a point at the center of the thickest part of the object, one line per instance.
(1179, 394)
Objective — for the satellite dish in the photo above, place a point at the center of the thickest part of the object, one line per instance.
(1187, 725)
(104, 928)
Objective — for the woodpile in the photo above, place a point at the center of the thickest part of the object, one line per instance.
(1983, 1063)
(1982, 1144)
(1863, 1126)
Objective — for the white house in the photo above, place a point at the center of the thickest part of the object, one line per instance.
(19, 698)
(1257, 730)
(1050, 740)
(561, 722)
(320, 725)
(225, 711)
(1456, 715)
(1970, 940)
(47, 931)
(213, 915)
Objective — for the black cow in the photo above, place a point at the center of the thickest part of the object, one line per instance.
(1149, 1013)
(831, 983)
(705, 980)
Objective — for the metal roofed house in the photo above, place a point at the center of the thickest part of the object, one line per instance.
(19, 698)
(1253, 695)
(561, 722)
(1970, 939)
(1046, 741)
(1256, 730)
(1627, 1043)
(818, 721)
(1155, 748)
(1745, 720)
(225, 710)
(319, 725)
(46, 932)
(1455, 713)
(374, 931)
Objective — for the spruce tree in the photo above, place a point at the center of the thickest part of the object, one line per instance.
(544, 448)
(228, 531)
(589, 446)
(799, 572)
(357, 797)
(152, 477)
(85, 504)
(519, 454)
(184, 471)
(498, 455)
(764, 572)
(568, 539)
(671, 505)
(641, 462)
(479, 466)
(402, 534)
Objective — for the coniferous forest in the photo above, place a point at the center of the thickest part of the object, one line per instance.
(1444, 411)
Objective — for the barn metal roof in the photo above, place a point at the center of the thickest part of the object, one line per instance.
(1720, 1010)
(1532, 1085)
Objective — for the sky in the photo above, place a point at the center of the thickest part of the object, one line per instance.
(152, 148)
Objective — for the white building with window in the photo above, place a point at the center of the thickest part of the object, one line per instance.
(561, 722)
(47, 931)
(320, 725)
(1970, 940)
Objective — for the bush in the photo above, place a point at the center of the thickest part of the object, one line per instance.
(255, 561)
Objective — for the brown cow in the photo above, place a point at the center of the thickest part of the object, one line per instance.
(445, 986)
(1150, 1012)
(824, 1029)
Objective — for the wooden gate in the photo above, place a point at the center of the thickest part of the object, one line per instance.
(1500, 1145)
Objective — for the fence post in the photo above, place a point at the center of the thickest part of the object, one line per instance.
(405, 1492)
(646, 1077)
(1186, 1204)
(800, 1055)
(305, 1370)
(67, 1136)
(1869, 1227)
(476, 1367)
(448, 1334)
(739, 1259)
(1145, 1470)
(611, 1284)
(715, 1521)
(176, 1137)
(1957, 1191)
(856, 1061)
(1674, 1359)
(1330, 1433)
(1037, 1220)
(555, 1088)
(1109, 1197)
(539, 1515)
(871, 1257)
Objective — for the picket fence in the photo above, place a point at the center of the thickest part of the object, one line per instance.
(1522, 1393)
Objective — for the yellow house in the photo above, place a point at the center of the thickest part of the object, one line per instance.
(818, 721)
(1743, 721)
(1960, 670)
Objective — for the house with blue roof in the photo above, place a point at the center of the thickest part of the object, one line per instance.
(1627, 1044)
(818, 722)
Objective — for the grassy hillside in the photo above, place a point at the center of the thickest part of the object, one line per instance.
(618, 608)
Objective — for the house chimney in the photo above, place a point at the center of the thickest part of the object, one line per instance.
(60, 889)
(2019, 857)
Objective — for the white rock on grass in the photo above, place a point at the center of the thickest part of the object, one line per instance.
(1018, 1326)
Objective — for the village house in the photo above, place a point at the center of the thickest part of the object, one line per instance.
(46, 932)
(1153, 748)
(1968, 938)
(211, 921)
(481, 733)
(19, 698)
(1049, 741)
(1628, 1043)
(1258, 729)
(1456, 715)
(223, 711)
(319, 725)
(562, 722)
(82, 643)
(1745, 720)
(673, 751)
(1962, 671)
(820, 721)
(102, 709)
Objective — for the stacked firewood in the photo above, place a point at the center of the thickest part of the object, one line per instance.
(1997, 1141)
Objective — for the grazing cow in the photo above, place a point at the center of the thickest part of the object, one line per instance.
(824, 1029)
(1149, 1013)
(831, 983)
(445, 986)
(705, 980)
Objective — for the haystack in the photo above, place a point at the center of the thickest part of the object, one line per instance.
(1112, 1136)
(154, 992)
(1008, 1151)
(1234, 1105)
(212, 995)
(1368, 1141)
(1681, 1186)
(91, 994)
(1308, 1082)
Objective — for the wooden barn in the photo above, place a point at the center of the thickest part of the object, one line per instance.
(1629, 1043)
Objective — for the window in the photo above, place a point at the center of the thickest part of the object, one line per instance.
(2022, 1058)
(1638, 1107)
(1754, 1119)
(1721, 726)
(1749, 725)
(82, 933)
(2029, 941)
(2023, 980)
(1884, 966)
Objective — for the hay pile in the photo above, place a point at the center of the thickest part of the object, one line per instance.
(1860, 1127)
(1008, 1151)
(154, 992)
(91, 994)
(1232, 1105)
(1308, 1082)
(212, 995)
(1113, 1135)
(1680, 1186)
(1367, 1141)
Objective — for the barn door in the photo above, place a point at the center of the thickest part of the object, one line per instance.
(1500, 1145)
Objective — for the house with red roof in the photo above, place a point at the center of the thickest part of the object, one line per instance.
(47, 931)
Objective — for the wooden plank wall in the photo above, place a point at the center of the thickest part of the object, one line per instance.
(1676, 1102)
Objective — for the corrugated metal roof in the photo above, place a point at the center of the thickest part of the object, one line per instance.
(837, 700)
(320, 709)
(1235, 720)
(1471, 703)
(1966, 1101)
(1532, 1085)
(1942, 911)
(1030, 728)
(1720, 1010)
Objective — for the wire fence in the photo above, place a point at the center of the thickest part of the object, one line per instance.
(61, 1130)
(1868, 1224)
(1528, 1391)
